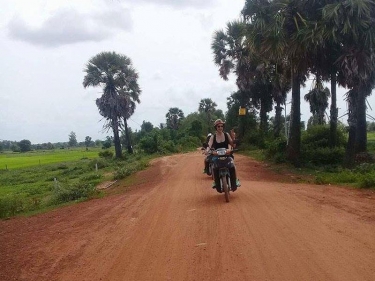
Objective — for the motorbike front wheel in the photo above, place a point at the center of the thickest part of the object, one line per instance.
(225, 188)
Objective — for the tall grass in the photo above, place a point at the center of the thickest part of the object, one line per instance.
(38, 187)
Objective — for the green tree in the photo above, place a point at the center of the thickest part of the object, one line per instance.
(318, 99)
(351, 24)
(72, 139)
(24, 145)
(147, 127)
(88, 141)
(174, 118)
(207, 107)
(107, 143)
(118, 79)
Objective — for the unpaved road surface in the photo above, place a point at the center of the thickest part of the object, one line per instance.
(171, 225)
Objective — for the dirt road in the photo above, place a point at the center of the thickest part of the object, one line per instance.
(172, 225)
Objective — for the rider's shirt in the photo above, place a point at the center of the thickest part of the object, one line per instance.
(224, 144)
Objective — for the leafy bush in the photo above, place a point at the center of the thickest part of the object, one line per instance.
(122, 172)
(106, 154)
(367, 182)
(81, 190)
(100, 162)
(323, 155)
(11, 205)
(149, 144)
(276, 150)
(315, 146)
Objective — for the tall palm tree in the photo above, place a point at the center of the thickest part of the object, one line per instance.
(318, 99)
(276, 37)
(115, 75)
(174, 118)
(207, 107)
(231, 54)
(351, 23)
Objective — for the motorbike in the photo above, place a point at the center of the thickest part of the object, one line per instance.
(222, 163)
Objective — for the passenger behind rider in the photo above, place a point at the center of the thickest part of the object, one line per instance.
(222, 139)
(208, 158)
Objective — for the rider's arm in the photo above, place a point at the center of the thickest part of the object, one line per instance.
(230, 141)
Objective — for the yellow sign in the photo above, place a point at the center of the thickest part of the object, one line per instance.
(242, 111)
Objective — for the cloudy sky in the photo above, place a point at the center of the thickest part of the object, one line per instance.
(45, 45)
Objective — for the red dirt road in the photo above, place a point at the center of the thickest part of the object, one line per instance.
(171, 225)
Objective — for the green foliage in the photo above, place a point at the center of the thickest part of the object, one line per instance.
(76, 191)
(315, 146)
(36, 188)
(107, 143)
(106, 154)
(276, 150)
(323, 155)
(25, 145)
(72, 139)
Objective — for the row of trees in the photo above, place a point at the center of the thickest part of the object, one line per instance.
(279, 43)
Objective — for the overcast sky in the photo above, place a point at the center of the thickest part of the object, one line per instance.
(45, 45)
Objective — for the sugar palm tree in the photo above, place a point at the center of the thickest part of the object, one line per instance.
(207, 107)
(115, 75)
(351, 24)
(318, 99)
(174, 118)
(276, 36)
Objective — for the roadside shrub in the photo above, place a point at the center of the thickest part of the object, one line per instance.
(149, 144)
(363, 158)
(315, 146)
(189, 143)
(367, 182)
(11, 205)
(276, 150)
(63, 194)
(121, 173)
(101, 162)
(319, 136)
(106, 154)
(323, 155)
(254, 138)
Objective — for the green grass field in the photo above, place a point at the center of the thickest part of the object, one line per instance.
(12, 161)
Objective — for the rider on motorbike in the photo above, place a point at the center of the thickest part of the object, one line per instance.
(222, 139)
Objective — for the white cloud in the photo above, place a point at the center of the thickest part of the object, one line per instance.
(69, 26)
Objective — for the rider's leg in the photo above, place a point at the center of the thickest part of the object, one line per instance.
(235, 182)
(217, 180)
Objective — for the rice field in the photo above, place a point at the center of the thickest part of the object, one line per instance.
(10, 161)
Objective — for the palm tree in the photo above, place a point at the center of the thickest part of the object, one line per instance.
(351, 24)
(207, 107)
(231, 53)
(276, 36)
(174, 118)
(118, 79)
(318, 99)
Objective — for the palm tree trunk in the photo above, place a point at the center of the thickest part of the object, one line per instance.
(294, 143)
(352, 122)
(278, 125)
(263, 116)
(128, 142)
(361, 132)
(116, 138)
(333, 112)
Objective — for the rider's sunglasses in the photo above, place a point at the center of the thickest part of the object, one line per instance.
(219, 126)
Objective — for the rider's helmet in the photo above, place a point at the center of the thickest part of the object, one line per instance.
(219, 122)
